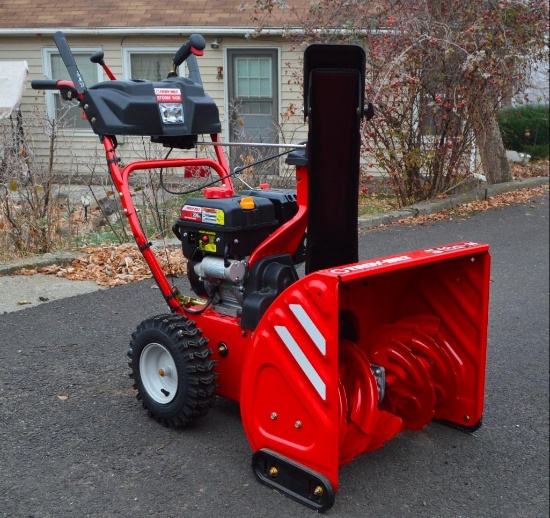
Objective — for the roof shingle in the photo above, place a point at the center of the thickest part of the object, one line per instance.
(30, 14)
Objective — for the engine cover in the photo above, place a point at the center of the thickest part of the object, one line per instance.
(225, 227)
(166, 110)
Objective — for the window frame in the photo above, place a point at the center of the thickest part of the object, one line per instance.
(128, 51)
(47, 53)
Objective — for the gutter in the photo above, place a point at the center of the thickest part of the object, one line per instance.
(142, 31)
(165, 31)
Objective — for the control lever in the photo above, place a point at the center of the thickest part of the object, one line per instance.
(70, 63)
(194, 45)
(97, 58)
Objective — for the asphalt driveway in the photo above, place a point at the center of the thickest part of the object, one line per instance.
(74, 441)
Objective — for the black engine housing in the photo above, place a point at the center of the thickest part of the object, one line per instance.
(222, 227)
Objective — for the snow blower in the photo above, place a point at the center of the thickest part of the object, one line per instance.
(326, 365)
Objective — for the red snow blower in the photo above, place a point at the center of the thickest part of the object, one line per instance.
(327, 365)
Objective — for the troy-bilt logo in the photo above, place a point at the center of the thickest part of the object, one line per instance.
(168, 95)
(191, 213)
(371, 264)
(450, 248)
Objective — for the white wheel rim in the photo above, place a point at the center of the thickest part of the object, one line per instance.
(158, 373)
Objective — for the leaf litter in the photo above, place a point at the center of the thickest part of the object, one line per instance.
(115, 265)
(521, 196)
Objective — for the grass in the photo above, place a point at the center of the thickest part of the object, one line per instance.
(372, 204)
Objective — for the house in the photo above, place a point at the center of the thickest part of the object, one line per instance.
(249, 75)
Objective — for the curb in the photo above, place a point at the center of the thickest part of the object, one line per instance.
(434, 206)
(38, 261)
(365, 222)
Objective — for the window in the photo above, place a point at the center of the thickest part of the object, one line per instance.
(150, 64)
(69, 113)
(253, 100)
(253, 77)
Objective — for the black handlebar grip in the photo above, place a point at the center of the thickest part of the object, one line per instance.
(196, 41)
(44, 84)
(97, 57)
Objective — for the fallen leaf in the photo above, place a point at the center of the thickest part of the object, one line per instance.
(63, 398)
(115, 265)
(27, 271)
(23, 302)
(500, 200)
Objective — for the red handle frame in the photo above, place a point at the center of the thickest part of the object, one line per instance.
(121, 181)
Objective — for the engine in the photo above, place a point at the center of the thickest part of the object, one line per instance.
(218, 235)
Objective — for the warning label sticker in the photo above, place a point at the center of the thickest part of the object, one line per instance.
(203, 214)
(168, 95)
(214, 216)
(208, 241)
(450, 248)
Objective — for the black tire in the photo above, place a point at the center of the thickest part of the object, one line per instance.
(172, 369)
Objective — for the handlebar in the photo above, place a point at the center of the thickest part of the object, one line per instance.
(76, 89)
(194, 45)
(44, 84)
(66, 88)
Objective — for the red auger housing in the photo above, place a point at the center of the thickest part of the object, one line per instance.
(326, 365)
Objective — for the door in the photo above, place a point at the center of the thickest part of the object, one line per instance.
(253, 108)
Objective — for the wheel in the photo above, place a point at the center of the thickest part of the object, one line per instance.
(172, 369)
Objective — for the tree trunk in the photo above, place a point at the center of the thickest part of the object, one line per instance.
(492, 152)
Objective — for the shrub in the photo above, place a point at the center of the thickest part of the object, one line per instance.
(39, 215)
(525, 129)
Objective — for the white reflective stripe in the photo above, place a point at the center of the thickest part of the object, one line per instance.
(310, 327)
(302, 360)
